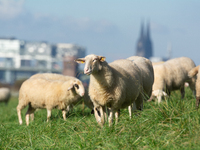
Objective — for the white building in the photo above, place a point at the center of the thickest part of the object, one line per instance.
(20, 59)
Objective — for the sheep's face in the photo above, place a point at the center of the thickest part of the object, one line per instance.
(78, 87)
(159, 93)
(92, 63)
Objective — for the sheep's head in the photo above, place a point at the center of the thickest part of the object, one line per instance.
(93, 63)
(158, 93)
(78, 87)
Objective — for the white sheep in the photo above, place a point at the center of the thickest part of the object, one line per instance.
(157, 63)
(54, 76)
(172, 75)
(147, 73)
(115, 85)
(5, 95)
(192, 73)
(43, 93)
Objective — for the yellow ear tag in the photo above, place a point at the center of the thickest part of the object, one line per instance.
(102, 59)
(82, 62)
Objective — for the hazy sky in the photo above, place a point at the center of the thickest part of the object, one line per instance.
(106, 27)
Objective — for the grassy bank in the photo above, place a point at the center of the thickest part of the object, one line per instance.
(174, 124)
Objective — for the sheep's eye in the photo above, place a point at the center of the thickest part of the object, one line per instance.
(76, 85)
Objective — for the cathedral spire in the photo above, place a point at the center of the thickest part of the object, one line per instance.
(142, 30)
(148, 30)
(144, 44)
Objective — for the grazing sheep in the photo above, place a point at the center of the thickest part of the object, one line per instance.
(43, 93)
(115, 85)
(54, 76)
(172, 75)
(195, 72)
(5, 95)
(147, 73)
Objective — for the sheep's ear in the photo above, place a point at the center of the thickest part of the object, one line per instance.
(71, 86)
(102, 59)
(80, 60)
(165, 94)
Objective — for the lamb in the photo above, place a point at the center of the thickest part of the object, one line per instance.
(115, 85)
(54, 76)
(147, 73)
(5, 95)
(192, 73)
(172, 75)
(43, 93)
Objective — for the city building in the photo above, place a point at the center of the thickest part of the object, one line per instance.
(20, 59)
(70, 52)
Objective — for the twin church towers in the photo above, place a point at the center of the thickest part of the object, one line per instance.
(144, 43)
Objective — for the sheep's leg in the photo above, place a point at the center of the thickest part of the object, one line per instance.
(182, 92)
(117, 114)
(102, 112)
(32, 116)
(48, 114)
(67, 109)
(29, 112)
(110, 117)
(99, 115)
(197, 101)
(19, 114)
(134, 108)
(106, 111)
(64, 112)
(130, 110)
(19, 108)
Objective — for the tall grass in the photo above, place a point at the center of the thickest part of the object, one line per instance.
(174, 124)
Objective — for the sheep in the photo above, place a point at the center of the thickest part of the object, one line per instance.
(54, 76)
(192, 73)
(157, 63)
(115, 85)
(172, 75)
(147, 73)
(5, 95)
(43, 93)
(160, 62)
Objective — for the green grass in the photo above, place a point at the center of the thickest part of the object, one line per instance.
(174, 124)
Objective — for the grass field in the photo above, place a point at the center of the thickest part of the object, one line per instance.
(174, 124)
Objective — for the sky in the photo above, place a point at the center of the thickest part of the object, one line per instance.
(108, 28)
